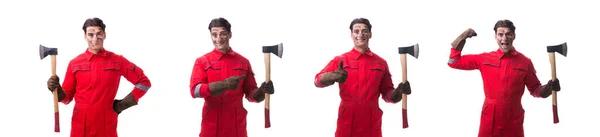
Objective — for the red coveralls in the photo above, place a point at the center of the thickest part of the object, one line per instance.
(93, 80)
(504, 79)
(359, 114)
(223, 115)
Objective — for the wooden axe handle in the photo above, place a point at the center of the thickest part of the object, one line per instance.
(404, 97)
(554, 104)
(267, 95)
(55, 94)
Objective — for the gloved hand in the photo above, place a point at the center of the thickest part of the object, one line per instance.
(554, 85)
(125, 103)
(264, 88)
(549, 87)
(219, 87)
(53, 83)
(340, 75)
(402, 88)
(267, 87)
(459, 42)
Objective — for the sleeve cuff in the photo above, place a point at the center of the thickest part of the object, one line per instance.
(250, 96)
(201, 91)
(388, 97)
(318, 82)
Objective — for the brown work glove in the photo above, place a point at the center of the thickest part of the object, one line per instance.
(219, 87)
(264, 88)
(549, 87)
(53, 83)
(459, 42)
(340, 75)
(125, 103)
(402, 88)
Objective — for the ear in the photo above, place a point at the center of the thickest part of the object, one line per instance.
(370, 35)
(230, 34)
(514, 36)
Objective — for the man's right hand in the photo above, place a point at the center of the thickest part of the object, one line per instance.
(459, 42)
(468, 33)
(219, 87)
(339, 75)
(53, 83)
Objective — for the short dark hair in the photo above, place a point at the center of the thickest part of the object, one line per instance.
(362, 21)
(505, 23)
(93, 22)
(220, 22)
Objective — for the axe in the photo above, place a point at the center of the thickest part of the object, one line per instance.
(413, 51)
(561, 49)
(267, 50)
(45, 51)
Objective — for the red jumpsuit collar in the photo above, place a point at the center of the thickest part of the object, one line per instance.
(356, 54)
(512, 52)
(220, 55)
(89, 54)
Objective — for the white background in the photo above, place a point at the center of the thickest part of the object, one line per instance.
(164, 38)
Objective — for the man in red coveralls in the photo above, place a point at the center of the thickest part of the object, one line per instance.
(92, 79)
(505, 73)
(362, 77)
(223, 77)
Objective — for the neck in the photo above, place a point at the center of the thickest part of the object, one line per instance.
(95, 51)
(361, 49)
(224, 50)
(509, 50)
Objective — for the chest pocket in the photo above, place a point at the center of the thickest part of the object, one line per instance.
(213, 70)
(82, 73)
(351, 66)
(375, 71)
(490, 69)
(212, 66)
(519, 71)
(239, 69)
(110, 72)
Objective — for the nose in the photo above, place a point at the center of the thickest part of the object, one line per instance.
(361, 35)
(96, 37)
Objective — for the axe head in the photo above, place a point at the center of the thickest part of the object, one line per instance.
(411, 50)
(45, 51)
(561, 49)
(275, 49)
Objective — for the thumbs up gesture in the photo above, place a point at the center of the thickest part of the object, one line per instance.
(341, 74)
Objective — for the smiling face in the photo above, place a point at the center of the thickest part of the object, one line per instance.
(220, 38)
(504, 38)
(360, 35)
(95, 36)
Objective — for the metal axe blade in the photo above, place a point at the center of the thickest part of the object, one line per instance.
(275, 49)
(411, 50)
(45, 51)
(560, 49)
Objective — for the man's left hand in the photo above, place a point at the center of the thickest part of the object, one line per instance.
(127, 102)
(267, 87)
(402, 88)
(554, 85)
